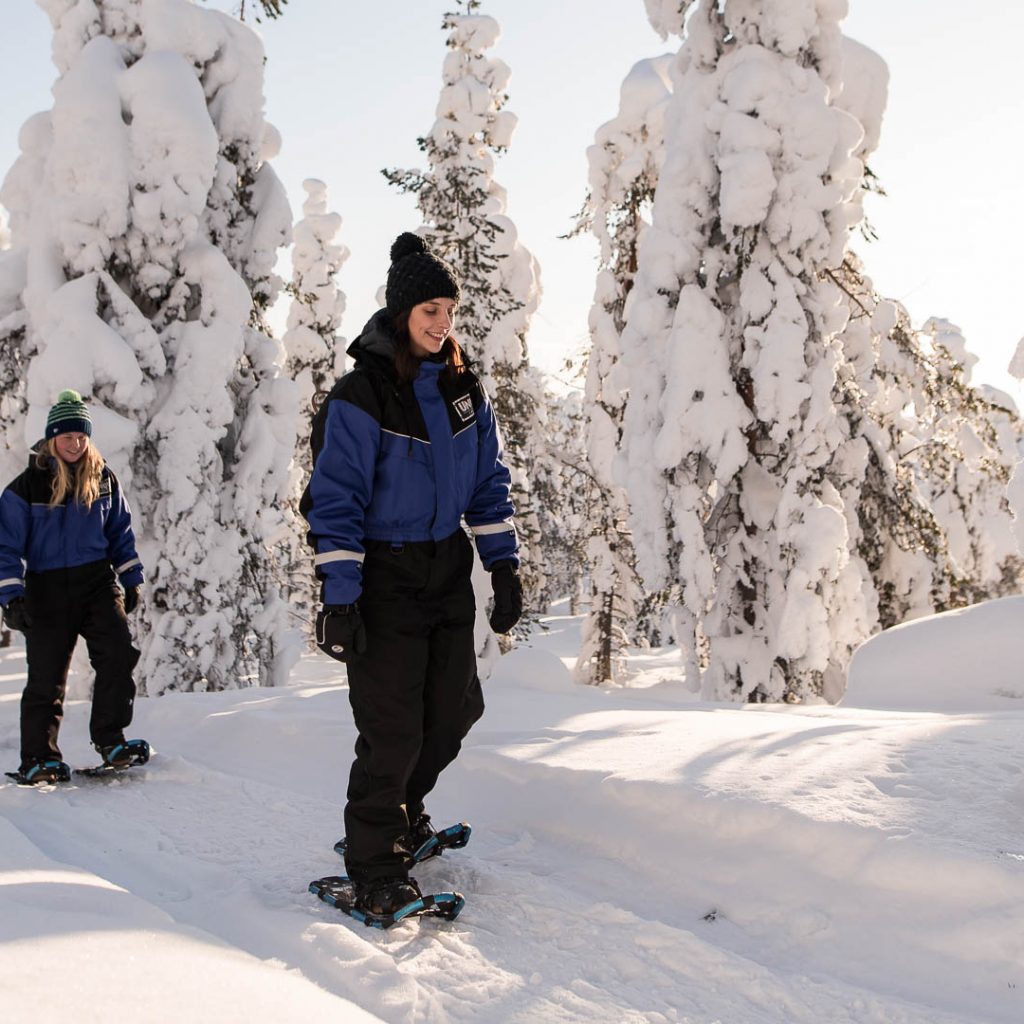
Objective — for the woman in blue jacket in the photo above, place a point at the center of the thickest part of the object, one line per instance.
(405, 449)
(65, 541)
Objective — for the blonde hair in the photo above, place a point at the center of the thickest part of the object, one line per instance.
(81, 480)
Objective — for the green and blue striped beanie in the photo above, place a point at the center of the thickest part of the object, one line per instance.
(68, 416)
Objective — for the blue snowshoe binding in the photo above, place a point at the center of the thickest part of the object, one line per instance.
(41, 772)
(117, 758)
(388, 902)
(423, 842)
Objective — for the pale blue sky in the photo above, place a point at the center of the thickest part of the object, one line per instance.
(351, 86)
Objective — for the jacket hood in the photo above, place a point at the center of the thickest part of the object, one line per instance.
(376, 344)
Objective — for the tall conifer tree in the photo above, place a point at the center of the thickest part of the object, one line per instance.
(625, 161)
(730, 431)
(151, 219)
(464, 219)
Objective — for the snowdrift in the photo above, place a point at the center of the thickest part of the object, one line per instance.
(971, 659)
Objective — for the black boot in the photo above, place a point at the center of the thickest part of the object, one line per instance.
(385, 896)
(420, 832)
(43, 770)
(124, 754)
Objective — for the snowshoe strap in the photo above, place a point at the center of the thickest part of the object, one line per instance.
(454, 837)
(136, 750)
(54, 770)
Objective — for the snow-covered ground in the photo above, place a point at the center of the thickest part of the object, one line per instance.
(636, 855)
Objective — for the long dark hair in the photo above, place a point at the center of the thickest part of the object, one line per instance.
(407, 366)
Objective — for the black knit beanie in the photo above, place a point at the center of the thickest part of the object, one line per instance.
(417, 275)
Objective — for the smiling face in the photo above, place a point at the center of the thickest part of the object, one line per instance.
(71, 447)
(429, 324)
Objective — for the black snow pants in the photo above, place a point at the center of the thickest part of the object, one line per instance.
(415, 693)
(66, 604)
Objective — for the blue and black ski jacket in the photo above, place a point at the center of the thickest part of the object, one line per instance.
(35, 538)
(402, 463)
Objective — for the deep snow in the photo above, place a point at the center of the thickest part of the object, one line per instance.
(636, 855)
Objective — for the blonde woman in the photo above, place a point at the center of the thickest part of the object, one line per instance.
(65, 541)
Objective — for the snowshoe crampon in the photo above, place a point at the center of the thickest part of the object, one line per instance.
(41, 773)
(339, 891)
(454, 837)
(118, 758)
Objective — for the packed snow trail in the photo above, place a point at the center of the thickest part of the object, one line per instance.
(635, 857)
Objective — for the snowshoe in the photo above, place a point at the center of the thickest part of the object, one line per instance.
(427, 843)
(423, 842)
(387, 902)
(117, 758)
(40, 772)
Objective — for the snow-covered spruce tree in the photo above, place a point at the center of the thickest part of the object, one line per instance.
(624, 163)
(564, 492)
(316, 356)
(13, 357)
(150, 219)
(464, 219)
(12, 365)
(964, 468)
(931, 520)
(927, 512)
(891, 527)
(731, 435)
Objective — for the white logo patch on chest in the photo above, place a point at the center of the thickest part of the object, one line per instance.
(464, 408)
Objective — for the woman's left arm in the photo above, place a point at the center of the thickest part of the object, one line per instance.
(491, 511)
(121, 538)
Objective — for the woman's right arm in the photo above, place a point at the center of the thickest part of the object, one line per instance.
(339, 491)
(15, 519)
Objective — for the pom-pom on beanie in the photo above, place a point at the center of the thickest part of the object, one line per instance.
(68, 416)
(417, 275)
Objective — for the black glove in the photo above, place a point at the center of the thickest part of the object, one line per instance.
(340, 631)
(508, 596)
(16, 615)
(131, 599)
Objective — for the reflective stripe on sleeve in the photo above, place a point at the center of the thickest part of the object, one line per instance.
(508, 526)
(338, 556)
(128, 565)
(11, 583)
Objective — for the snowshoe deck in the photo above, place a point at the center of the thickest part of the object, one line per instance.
(339, 891)
(454, 837)
(103, 771)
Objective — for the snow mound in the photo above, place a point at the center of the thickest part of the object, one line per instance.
(960, 661)
(534, 669)
(93, 927)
